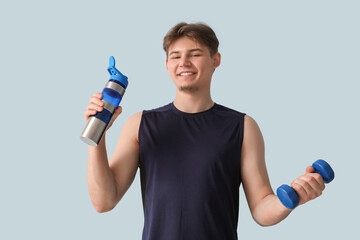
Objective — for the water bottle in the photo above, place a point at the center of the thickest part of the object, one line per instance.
(112, 94)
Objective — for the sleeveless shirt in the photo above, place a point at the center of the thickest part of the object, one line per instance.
(190, 173)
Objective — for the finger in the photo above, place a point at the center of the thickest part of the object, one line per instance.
(310, 169)
(315, 181)
(307, 188)
(301, 192)
(94, 107)
(118, 111)
(303, 184)
(97, 95)
(317, 178)
(305, 191)
(89, 113)
(97, 101)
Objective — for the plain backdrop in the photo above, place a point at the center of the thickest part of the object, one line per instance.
(291, 65)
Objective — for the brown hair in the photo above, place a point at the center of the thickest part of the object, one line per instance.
(198, 32)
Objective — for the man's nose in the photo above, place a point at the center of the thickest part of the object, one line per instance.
(185, 61)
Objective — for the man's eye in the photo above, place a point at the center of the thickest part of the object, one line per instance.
(196, 55)
(175, 57)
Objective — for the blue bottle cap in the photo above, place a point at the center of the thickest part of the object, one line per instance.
(116, 74)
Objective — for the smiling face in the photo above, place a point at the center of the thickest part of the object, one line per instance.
(190, 64)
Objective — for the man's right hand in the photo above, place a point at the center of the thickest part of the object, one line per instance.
(96, 105)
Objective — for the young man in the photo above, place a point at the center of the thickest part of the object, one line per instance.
(192, 154)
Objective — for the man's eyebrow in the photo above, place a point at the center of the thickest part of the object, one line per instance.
(196, 49)
(191, 50)
(173, 52)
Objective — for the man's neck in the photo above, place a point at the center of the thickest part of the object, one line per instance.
(191, 102)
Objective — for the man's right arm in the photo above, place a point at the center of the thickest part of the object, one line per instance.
(109, 180)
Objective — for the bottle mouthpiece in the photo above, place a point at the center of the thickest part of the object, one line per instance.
(116, 74)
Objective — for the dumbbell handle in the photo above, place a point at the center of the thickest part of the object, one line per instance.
(289, 197)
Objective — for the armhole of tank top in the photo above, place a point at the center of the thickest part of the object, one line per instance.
(139, 137)
(242, 126)
(242, 129)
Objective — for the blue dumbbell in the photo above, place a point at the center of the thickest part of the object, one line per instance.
(112, 95)
(289, 197)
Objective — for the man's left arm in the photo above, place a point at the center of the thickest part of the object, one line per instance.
(264, 205)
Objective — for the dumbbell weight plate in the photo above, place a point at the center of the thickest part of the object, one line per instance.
(287, 196)
(324, 169)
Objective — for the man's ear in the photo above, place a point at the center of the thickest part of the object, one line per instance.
(167, 64)
(216, 60)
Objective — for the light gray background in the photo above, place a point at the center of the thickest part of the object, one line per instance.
(292, 65)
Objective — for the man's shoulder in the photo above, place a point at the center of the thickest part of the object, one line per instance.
(229, 111)
(163, 108)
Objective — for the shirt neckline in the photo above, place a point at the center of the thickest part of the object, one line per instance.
(185, 114)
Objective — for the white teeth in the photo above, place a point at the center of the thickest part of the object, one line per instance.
(186, 74)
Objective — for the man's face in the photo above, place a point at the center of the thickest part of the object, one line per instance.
(190, 65)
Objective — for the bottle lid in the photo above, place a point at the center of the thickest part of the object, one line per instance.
(116, 74)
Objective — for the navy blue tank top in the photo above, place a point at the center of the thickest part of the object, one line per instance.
(190, 173)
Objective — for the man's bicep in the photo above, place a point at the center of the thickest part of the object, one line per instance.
(124, 162)
(255, 178)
